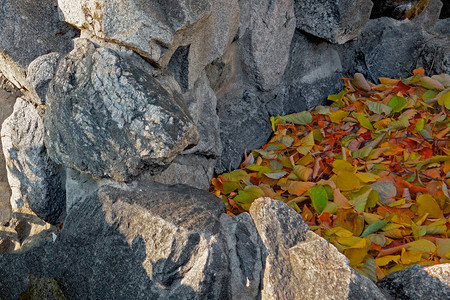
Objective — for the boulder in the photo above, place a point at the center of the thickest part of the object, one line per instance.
(418, 282)
(30, 29)
(157, 30)
(32, 175)
(266, 42)
(131, 242)
(40, 73)
(301, 264)
(336, 22)
(111, 115)
(314, 72)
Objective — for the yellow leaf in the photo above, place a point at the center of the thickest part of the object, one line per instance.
(410, 257)
(372, 218)
(352, 242)
(427, 204)
(337, 116)
(383, 261)
(445, 100)
(388, 81)
(306, 144)
(422, 246)
(346, 181)
(367, 177)
(339, 231)
(302, 172)
(342, 165)
(356, 255)
(443, 248)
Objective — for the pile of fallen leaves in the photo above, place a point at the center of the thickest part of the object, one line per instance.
(370, 173)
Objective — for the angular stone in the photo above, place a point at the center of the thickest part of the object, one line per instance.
(322, 271)
(337, 22)
(267, 40)
(109, 115)
(280, 228)
(321, 75)
(246, 255)
(30, 29)
(131, 242)
(419, 282)
(40, 72)
(33, 177)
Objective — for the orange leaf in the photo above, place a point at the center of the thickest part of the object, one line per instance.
(298, 188)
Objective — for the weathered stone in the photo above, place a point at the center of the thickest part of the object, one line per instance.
(33, 177)
(428, 18)
(418, 282)
(40, 72)
(157, 29)
(443, 26)
(337, 22)
(267, 40)
(30, 29)
(131, 242)
(193, 170)
(397, 9)
(280, 228)
(108, 115)
(246, 256)
(244, 124)
(322, 271)
(7, 100)
(320, 76)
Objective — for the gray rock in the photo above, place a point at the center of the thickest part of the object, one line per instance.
(322, 271)
(418, 282)
(131, 242)
(314, 72)
(301, 264)
(33, 177)
(202, 105)
(430, 15)
(193, 170)
(443, 26)
(109, 114)
(7, 100)
(396, 9)
(40, 72)
(246, 256)
(280, 228)
(337, 22)
(157, 29)
(244, 124)
(267, 41)
(30, 29)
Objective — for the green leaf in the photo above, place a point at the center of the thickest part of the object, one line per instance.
(419, 125)
(237, 176)
(275, 175)
(362, 119)
(319, 197)
(400, 123)
(300, 118)
(258, 168)
(337, 98)
(322, 110)
(386, 191)
(428, 95)
(378, 108)
(397, 104)
(445, 100)
(337, 116)
(247, 196)
(372, 228)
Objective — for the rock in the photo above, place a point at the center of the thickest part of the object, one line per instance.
(246, 256)
(123, 117)
(336, 22)
(131, 242)
(193, 170)
(443, 26)
(301, 264)
(267, 40)
(33, 177)
(30, 29)
(40, 72)
(314, 72)
(280, 228)
(321, 271)
(244, 124)
(418, 282)
(445, 11)
(7, 100)
(157, 30)
(428, 18)
(396, 9)
(43, 288)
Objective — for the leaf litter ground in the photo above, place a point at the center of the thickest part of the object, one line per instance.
(370, 173)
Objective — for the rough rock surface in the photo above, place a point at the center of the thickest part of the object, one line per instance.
(109, 116)
(33, 177)
(418, 282)
(30, 29)
(337, 22)
(131, 242)
(267, 39)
